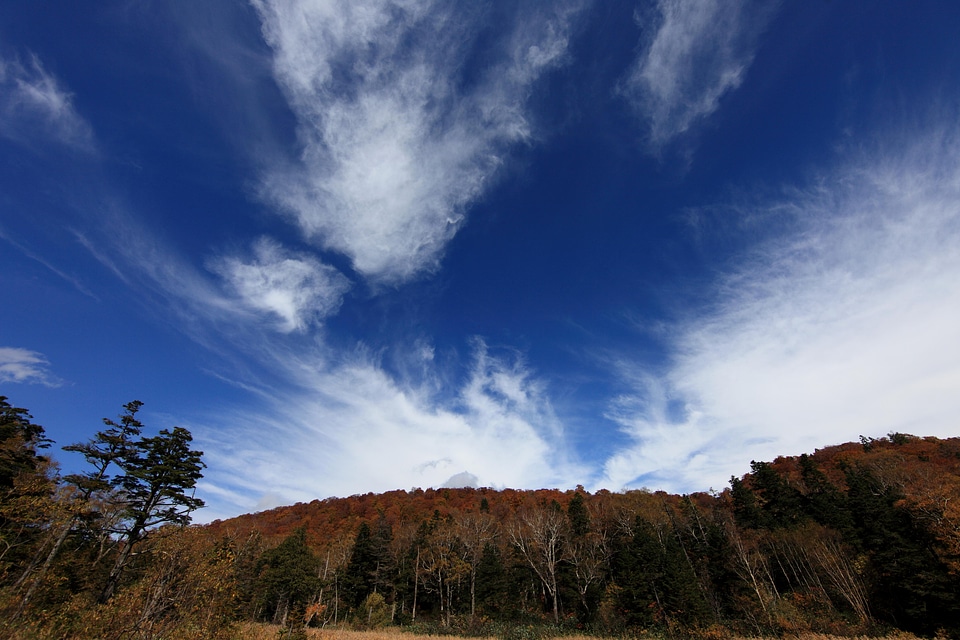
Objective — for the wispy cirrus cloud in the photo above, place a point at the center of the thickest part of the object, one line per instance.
(845, 326)
(698, 52)
(352, 427)
(298, 289)
(33, 104)
(26, 367)
(396, 140)
(33, 255)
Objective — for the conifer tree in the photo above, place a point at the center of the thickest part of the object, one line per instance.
(359, 579)
(288, 577)
(19, 441)
(491, 593)
(149, 479)
(157, 475)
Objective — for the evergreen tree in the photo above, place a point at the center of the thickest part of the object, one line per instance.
(719, 556)
(746, 508)
(912, 588)
(683, 598)
(638, 569)
(782, 505)
(108, 448)
(154, 484)
(288, 579)
(579, 516)
(19, 441)
(383, 577)
(492, 595)
(656, 583)
(823, 501)
(361, 576)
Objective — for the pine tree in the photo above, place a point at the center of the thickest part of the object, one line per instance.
(579, 516)
(359, 578)
(154, 476)
(912, 588)
(19, 441)
(491, 581)
(288, 579)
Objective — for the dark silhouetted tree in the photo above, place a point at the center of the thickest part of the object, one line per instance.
(154, 486)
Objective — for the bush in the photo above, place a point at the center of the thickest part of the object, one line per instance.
(373, 612)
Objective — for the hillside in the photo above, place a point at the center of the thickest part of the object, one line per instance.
(854, 539)
(841, 539)
(926, 470)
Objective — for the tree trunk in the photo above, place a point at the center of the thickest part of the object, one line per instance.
(473, 591)
(416, 584)
(449, 601)
(114, 578)
(556, 607)
(43, 570)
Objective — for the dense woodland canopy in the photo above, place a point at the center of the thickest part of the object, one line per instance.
(852, 539)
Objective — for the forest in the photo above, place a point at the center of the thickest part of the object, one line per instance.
(854, 539)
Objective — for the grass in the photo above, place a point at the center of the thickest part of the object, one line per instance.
(257, 631)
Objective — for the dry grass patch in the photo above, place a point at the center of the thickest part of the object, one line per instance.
(896, 635)
(259, 631)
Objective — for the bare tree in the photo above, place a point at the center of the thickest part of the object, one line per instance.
(538, 533)
(441, 563)
(589, 555)
(751, 567)
(834, 561)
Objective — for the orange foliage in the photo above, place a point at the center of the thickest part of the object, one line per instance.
(333, 518)
(926, 470)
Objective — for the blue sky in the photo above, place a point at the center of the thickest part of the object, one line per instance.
(367, 245)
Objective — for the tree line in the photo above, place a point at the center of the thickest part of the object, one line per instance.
(853, 539)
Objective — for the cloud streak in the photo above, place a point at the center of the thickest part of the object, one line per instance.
(699, 51)
(34, 105)
(396, 141)
(846, 326)
(26, 367)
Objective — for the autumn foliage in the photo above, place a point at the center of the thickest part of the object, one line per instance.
(860, 539)
(851, 539)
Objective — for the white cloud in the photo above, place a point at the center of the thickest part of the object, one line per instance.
(352, 428)
(172, 286)
(396, 142)
(699, 52)
(847, 326)
(33, 104)
(25, 366)
(297, 288)
(461, 480)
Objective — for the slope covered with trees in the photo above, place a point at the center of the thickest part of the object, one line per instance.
(849, 539)
(852, 539)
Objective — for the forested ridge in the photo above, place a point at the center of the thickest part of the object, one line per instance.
(853, 539)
